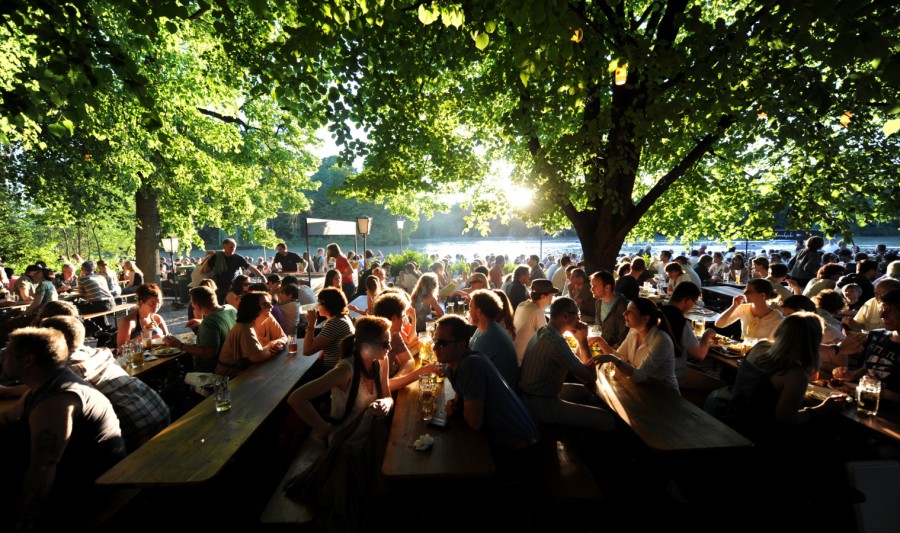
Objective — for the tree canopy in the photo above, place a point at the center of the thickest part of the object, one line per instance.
(724, 113)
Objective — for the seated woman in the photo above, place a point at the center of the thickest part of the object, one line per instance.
(359, 394)
(239, 286)
(829, 305)
(477, 281)
(826, 278)
(332, 279)
(408, 277)
(144, 317)
(506, 318)
(132, 277)
(758, 320)
(111, 277)
(333, 308)
(737, 267)
(718, 268)
(373, 290)
(424, 300)
(771, 383)
(242, 345)
(647, 354)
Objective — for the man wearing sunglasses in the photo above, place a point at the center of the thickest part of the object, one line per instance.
(483, 398)
(548, 359)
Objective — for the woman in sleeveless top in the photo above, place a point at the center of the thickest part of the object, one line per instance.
(144, 316)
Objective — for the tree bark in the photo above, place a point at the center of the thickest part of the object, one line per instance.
(146, 233)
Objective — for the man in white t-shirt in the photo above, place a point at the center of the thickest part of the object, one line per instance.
(529, 316)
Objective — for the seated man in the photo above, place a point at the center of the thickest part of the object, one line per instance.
(517, 290)
(24, 285)
(609, 312)
(684, 298)
(491, 339)
(778, 274)
(548, 360)
(534, 262)
(74, 435)
(483, 398)
(93, 290)
(869, 315)
(559, 278)
(689, 270)
(215, 323)
(676, 275)
(529, 316)
(702, 268)
(141, 412)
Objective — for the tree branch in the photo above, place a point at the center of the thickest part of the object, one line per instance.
(703, 146)
(226, 119)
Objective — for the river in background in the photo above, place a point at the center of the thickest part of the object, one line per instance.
(557, 246)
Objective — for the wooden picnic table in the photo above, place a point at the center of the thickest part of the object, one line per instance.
(665, 421)
(14, 305)
(195, 448)
(458, 450)
(887, 422)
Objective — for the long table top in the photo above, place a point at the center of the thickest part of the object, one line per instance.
(665, 421)
(195, 448)
(458, 451)
(727, 291)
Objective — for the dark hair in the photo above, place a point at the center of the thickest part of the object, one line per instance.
(762, 285)
(71, 328)
(535, 258)
(739, 257)
(333, 250)
(778, 270)
(830, 270)
(579, 272)
(205, 297)
(560, 306)
(674, 267)
(866, 265)
(237, 284)
(646, 307)
(638, 264)
(798, 302)
(209, 283)
(521, 270)
(760, 260)
(460, 329)
(623, 270)
(291, 290)
(368, 329)
(46, 345)
(250, 306)
(290, 280)
(830, 300)
(389, 305)
(686, 291)
(329, 278)
(333, 299)
(273, 278)
(487, 302)
(565, 260)
(606, 279)
(146, 291)
(259, 286)
(506, 318)
(814, 243)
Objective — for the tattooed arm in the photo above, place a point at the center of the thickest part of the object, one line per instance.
(50, 424)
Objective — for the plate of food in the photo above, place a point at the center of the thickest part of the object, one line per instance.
(701, 311)
(166, 352)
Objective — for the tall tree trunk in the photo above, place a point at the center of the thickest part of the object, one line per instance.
(146, 233)
(99, 249)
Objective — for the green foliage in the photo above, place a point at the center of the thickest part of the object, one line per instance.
(397, 261)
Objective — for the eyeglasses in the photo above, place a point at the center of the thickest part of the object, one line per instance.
(440, 343)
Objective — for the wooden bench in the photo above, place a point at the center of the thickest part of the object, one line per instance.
(567, 478)
(121, 308)
(283, 510)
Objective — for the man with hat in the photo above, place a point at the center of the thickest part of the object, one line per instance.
(529, 316)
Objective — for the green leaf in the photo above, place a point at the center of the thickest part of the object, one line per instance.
(891, 126)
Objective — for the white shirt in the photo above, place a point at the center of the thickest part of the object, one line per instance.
(527, 320)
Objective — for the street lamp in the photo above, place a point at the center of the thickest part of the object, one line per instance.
(364, 227)
(170, 246)
(400, 230)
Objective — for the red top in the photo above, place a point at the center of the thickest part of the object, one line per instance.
(343, 266)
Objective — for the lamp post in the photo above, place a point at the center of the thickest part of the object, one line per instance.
(364, 227)
(400, 231)
(170, 246)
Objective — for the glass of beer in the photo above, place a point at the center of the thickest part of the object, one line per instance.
(292, 344)
(699, 327)
(223, 393)
(868, 395)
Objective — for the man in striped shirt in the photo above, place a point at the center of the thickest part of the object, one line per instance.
(548, 359)
(92, 288)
